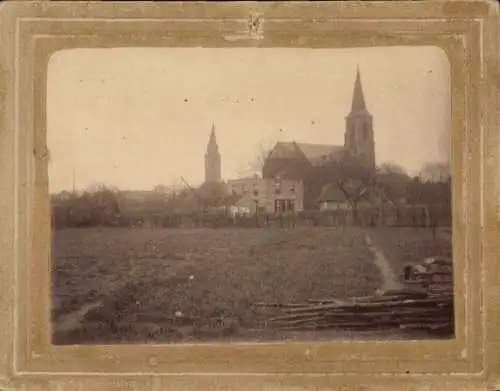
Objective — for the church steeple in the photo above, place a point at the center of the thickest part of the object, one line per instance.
(359, 135)
(212, 159)
(212, 146)
(358, 99)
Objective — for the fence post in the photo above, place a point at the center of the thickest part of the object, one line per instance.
(427, 217)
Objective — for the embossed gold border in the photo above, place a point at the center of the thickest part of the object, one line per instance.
(32, 31)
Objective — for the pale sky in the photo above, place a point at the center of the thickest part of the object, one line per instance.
(139, 117)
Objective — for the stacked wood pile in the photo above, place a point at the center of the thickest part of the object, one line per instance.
(425, 302)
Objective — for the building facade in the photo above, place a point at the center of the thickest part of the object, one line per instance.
(270, 195)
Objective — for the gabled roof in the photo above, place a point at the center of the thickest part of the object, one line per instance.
(284, 150)
(314, 153)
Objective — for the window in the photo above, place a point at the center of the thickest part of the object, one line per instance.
(277, 186)
(365, 131)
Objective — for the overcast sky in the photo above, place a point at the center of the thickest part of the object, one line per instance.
(139, 117)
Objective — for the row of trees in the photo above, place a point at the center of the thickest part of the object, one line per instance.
(390, 183)
(95, 206)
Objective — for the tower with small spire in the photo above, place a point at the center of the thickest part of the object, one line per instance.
(359, 136)
(212, 160)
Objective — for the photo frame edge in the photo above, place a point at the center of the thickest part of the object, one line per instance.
(7, 250)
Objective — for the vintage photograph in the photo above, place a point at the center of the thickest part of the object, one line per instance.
(250, 194)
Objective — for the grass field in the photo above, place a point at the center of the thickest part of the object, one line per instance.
(172, 285)
(404, 246)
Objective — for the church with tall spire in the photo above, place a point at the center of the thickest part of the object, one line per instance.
(301, 165)
(213, 169)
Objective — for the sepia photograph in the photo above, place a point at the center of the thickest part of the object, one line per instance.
(203, 195)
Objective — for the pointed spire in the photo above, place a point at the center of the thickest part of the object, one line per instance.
(358, 99)
(212, 147)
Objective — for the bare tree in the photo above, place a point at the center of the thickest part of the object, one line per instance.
(97, 205)
(432, 188)
(392, 182)
(101, 188)
(354, 180)
(173, 195)
(256, 164)
(435, 172)
(391, 168)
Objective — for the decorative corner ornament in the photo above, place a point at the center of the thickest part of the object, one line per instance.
(253, 30)
(254, 25)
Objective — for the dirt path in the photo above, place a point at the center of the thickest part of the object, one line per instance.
(72, 320)
(390, 280)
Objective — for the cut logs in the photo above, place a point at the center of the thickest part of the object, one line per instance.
(425, 302)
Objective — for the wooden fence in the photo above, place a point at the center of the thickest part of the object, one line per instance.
(392, 216)
(402, 216)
